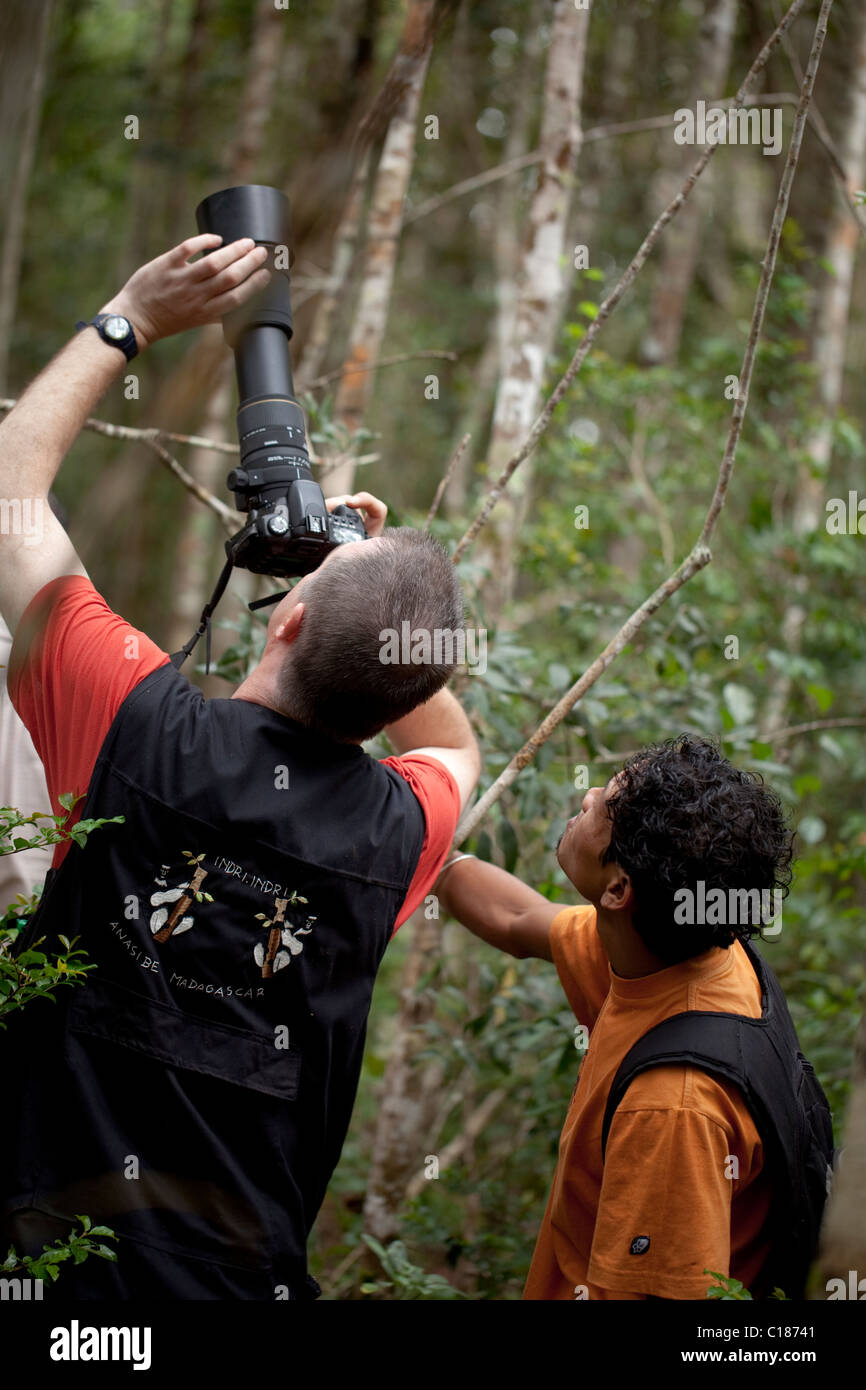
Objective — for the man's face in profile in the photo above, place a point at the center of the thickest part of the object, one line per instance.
(584, 840)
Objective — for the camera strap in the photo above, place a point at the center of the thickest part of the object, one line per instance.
(178, 658)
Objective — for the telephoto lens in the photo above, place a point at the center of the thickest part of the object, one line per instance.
(289, 531)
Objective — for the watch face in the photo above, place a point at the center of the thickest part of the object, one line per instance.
(116, 327)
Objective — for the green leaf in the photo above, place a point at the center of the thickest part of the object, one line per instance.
(740, 701)
(822, 696)
(761, 750)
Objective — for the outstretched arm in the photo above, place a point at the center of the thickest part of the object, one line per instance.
(165, 296)
(440, 729)
(497, 907)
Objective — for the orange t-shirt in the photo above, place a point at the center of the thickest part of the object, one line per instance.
(73, 663)
(668, 1202)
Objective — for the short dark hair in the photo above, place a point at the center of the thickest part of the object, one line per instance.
(334, 678)
(682, 813)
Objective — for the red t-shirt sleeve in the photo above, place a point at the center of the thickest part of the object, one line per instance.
(73, 663)
(437, 790)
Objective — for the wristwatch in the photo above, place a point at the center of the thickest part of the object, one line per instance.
(115, 330)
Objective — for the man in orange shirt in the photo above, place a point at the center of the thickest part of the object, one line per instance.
(682, 1187)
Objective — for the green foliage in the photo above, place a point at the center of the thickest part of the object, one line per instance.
(727, 1290)
(733, 1290)
(51, 833)
(32, 974)
(77, 1246)
(406, 1281)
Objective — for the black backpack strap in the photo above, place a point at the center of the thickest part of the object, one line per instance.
(695, 1038)
(761, 1056)
(718, 1043)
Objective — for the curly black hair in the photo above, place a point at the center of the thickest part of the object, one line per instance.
(681, 813)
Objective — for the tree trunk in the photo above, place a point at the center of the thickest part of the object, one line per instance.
(383, 234)
(22, 35)
(828, 353)
(678, 253)
(408, 1100)
(504, 235)
(541, 284)
(345, 247)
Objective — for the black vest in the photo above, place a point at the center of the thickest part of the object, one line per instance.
(195, 1092)
(784, 1096)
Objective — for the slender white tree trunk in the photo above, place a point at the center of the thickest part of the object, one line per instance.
(541, 285)
(345, 248)
(385, 221)
(503, 237)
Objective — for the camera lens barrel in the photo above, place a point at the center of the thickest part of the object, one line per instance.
(249, 210)
(289, 530)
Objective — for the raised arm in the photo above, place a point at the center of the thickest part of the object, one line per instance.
(440, 729)
(497, 907)
(165, 296)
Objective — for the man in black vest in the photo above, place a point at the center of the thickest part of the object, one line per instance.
(195, 1093)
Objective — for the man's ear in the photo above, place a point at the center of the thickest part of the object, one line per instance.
(288, 630)
(618, 894)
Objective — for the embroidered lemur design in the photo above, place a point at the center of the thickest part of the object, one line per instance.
(268, 956)
(164, 922)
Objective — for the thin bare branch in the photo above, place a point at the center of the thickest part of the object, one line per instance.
(770, 736)
(391, 361)
(471, 1126)
(228, 518)
(813, 726)
(457, 190)
(146, 435)
(633, 452)
(700, 554)
(440, 491)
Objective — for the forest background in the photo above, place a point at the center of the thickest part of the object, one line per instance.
(468, 182)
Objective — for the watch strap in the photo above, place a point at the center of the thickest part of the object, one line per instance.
(127, 345)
